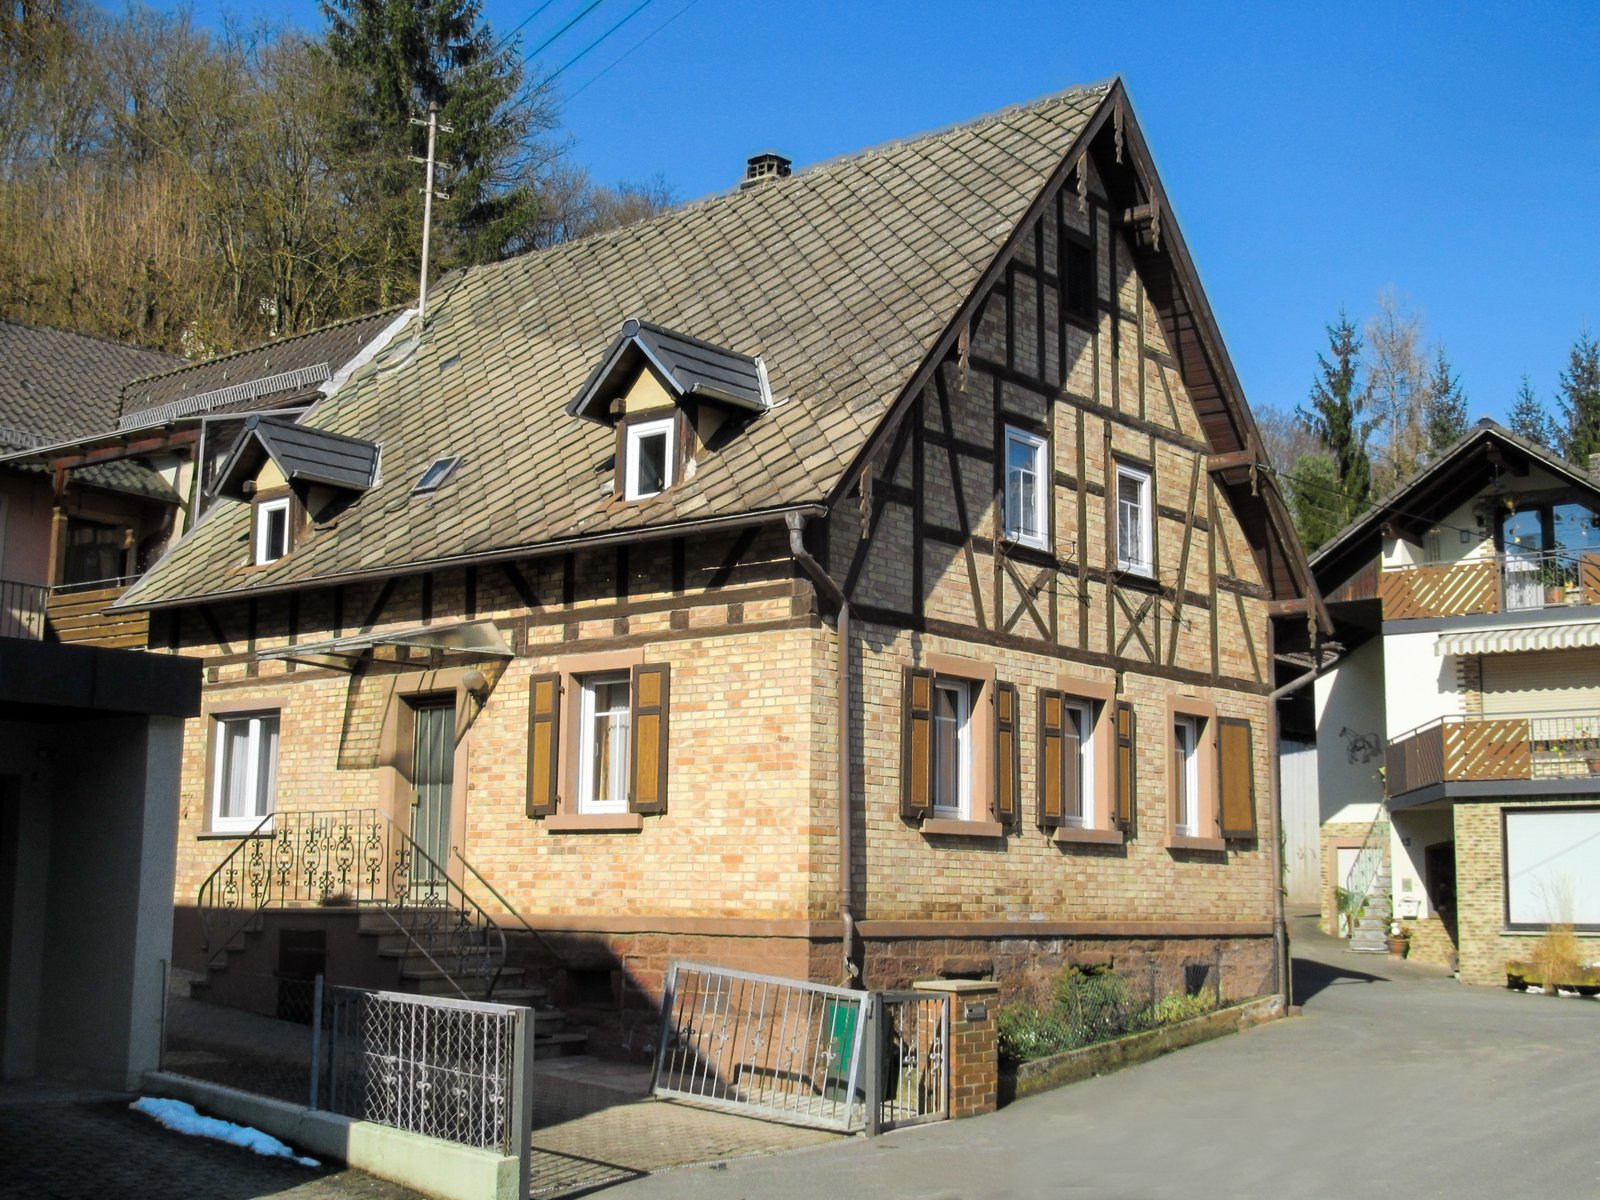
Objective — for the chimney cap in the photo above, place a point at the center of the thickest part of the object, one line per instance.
(768, 165)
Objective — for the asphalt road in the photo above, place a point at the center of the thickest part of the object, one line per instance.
(1395, 1081)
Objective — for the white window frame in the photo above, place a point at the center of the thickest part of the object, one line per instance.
(961, 809)
(264, 511)
(1089, 711)
(1017, 523)
(1186, 813)
(1143, 564)
(266, 797)
(589, 686)
(636, 434)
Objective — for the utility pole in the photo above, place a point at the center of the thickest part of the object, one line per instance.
(428, 193)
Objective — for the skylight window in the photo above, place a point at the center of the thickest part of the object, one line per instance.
(438, 471)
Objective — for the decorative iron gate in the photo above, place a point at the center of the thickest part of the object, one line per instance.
(763, 1046)
(913, 1060)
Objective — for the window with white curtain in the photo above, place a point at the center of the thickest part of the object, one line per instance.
(245, 784)
(604, 743)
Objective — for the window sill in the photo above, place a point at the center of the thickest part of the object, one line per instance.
(1178, 841)
(1070, 834)
(234, 835)
(594, 823)
(949, 827)
(1134, 578)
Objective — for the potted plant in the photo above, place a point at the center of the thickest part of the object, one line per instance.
(1553, 574)
(1399, 940)
(1351, 907)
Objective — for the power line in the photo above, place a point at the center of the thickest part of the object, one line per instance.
(579, 55)
(626, 55)
(518, 27)
(1367, 506)
(544, 45)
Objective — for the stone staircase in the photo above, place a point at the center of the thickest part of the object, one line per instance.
(1370, 934)
(366, 949)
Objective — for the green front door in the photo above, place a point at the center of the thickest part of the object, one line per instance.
(432, 780)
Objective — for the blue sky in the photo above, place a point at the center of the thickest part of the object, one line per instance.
(1313, 155)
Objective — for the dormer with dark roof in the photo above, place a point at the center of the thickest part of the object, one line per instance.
(290, 473)
(672, 399)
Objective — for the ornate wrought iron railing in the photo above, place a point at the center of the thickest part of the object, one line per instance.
(351, 857)
(1369, 860)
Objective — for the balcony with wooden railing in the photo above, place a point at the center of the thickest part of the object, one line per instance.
(82, 613)
(1542, 746)
(1504, 583)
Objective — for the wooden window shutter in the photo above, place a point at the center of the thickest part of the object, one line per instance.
(1236, 778)
(916, 744)
(1007, 755)
(544, 726)
(647, 791)
(1052, 719)
(1127, 771)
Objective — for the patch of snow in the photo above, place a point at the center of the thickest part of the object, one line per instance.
(182, 1118)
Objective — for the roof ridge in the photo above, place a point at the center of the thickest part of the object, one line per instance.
(282, 341)
(93, 337)
(810, 171)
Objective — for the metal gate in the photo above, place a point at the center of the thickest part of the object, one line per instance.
(911, 1083)
(763, 1046)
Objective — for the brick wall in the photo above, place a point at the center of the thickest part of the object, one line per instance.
(1485, 946)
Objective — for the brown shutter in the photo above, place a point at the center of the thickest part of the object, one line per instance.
(1127, 765)
(647, 792)
(1236, 778)
(1052, 718)
(1007, 755)
(916, 744)
(544, 725)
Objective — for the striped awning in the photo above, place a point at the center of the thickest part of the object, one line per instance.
(1568, 636)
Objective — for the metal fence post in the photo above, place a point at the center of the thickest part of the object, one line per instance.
(316, 1040)
(522, 1098)
(873, 1049)
(667, 1000)
(166, 991)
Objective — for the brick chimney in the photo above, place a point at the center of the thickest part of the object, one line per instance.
(764, 168)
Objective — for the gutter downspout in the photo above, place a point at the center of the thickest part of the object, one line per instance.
(824, 583)
(1280, 929)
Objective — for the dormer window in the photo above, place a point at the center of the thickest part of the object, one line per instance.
(272, 529)
(649, 462)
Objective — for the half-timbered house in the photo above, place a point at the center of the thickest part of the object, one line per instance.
(865, 574)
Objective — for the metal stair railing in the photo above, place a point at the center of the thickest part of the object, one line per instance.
(1369, 862)
(509, 907)
(350, 858)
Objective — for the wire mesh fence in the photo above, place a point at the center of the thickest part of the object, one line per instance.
(447, 1069)
(244, 1030)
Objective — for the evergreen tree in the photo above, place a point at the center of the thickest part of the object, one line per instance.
(1337, 416)
(395, 58)
(1445, 409)
(1318, 503)
(1580, 401)
(1529, 419)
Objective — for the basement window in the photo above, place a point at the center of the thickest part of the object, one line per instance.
(438, 471)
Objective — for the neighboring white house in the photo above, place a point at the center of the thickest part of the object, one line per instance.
(1467, 604)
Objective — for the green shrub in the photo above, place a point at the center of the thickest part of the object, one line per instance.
(1173, 1009)
(1025, 1032)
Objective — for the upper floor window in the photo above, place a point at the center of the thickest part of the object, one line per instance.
(648, 458)
(1027, 479)
(1080, 280)
(245, 781)
(272, 529)
(1134, 520)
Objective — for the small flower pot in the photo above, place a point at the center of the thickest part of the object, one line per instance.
(1398, 946)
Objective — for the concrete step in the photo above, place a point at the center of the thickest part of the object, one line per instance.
(558, 1045)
